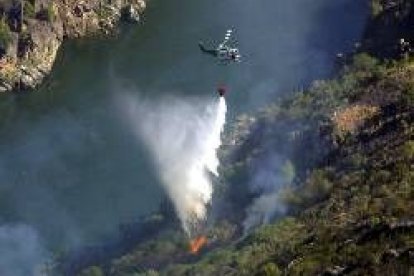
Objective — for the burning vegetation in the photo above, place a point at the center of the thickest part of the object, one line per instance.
(197, 244)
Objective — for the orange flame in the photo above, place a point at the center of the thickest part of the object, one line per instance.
(197, 244)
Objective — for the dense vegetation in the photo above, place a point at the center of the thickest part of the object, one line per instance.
(349, 206)
(350, 210)
(353, 209)
(5, 36)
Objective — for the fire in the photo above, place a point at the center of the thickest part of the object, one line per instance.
(197, 243)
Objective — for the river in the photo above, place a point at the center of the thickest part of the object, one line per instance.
(71, 170)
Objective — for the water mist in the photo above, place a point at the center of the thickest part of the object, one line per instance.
(183, 136)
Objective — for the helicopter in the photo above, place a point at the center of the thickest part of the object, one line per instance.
(224, 52)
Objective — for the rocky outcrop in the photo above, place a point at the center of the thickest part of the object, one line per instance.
(31, 32)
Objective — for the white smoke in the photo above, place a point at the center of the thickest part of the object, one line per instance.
(263, 209)
(21, 251)
(268, 178)
(183, 136)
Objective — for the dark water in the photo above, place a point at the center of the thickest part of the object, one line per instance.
(73, 171)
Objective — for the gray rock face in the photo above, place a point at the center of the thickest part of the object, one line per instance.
(11, 50)
(5, 87)
(32, 47)
(131, 14)
(30, 77)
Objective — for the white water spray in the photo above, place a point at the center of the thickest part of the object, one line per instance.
(183, 137)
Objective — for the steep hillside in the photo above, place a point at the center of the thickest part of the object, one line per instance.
(337, 160)
(349, 208)
(351, 211)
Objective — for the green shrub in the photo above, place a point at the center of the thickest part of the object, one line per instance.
(28, 10)
(104, 12)
(92, 271)
(270, 269)
(306, 266)
(407, 95)
(376, 7)
(51, 14)
(407, 150)
(5, 34)
(315, 189)
(291, 197)
(318, 185)
(365, 66)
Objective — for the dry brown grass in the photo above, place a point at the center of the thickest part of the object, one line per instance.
(351, 118)
(7, 67)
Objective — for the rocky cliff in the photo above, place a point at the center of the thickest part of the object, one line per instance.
(31, 32)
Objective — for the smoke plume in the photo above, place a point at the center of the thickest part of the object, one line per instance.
(269, 175)
(183, 136)
(21, 251)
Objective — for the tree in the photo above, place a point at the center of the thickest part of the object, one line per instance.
(5, 35)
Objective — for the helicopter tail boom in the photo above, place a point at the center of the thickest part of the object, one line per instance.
(205, 50)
